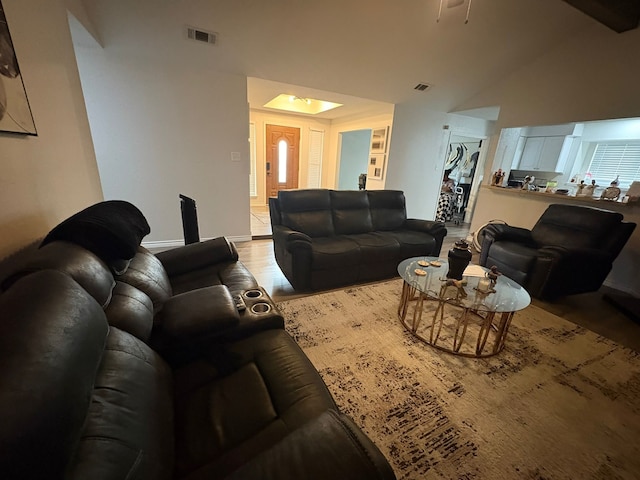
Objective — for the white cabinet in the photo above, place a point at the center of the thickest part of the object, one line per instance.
(544, 154)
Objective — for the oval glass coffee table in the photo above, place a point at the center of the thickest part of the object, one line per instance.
(461, 318)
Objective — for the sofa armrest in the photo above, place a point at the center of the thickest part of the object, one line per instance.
(191, 257)
(499, 231)
(437, 229)
(194, 317)
(290, 239)
(330, 446)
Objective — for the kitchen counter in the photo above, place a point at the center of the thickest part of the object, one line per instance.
(555, 197)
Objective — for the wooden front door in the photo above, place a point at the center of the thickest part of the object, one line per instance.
(283, 149)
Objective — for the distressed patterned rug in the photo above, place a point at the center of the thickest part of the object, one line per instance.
(560, 402)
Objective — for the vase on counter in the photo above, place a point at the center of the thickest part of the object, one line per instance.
(459, 257)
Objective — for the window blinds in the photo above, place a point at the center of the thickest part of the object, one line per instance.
(615, 159)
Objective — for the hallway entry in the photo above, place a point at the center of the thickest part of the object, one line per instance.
(282, 158)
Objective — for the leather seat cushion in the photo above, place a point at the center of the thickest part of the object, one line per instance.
(334, 252)
(128, 432)
(376, 246)
(238, 403)
(414, 243)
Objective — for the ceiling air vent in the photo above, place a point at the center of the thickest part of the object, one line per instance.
(421, 87)
(200, 35)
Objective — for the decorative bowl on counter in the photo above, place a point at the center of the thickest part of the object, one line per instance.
(562, 191)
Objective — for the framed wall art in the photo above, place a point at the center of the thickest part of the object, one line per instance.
(376, 167)
(379, 140)
(15, 112)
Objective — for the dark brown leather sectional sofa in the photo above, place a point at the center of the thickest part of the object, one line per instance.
(144, 368)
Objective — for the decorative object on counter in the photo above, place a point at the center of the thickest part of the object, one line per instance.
(551, 187)
(528, 182)
(459, 258)
(612, 192)
(580, 192)
(590, 189)
(497, 177)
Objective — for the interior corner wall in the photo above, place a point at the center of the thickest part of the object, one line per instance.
(48, 177)
(161, 130)
(418, 150)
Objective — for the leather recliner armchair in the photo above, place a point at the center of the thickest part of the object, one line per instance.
(569, 250)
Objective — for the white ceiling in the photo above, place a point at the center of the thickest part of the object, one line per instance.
(366, 54)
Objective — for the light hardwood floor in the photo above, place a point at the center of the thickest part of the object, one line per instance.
(589, 310)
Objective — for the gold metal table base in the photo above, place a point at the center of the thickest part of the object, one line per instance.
(454, 328)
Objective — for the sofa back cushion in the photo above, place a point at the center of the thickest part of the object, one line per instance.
(388, 209)
(79, 263)
(351, 214)
(147, 274)
(52, 337)
(575, 226)
(131, 310)
(307, 211)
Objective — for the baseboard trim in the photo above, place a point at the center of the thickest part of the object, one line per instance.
(167, 244)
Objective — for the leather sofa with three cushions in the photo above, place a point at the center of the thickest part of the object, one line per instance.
(328, 238)
(151, 372)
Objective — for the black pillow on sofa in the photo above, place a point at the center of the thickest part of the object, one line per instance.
(112, 229)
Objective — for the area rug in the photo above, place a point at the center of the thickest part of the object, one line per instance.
(559, 402)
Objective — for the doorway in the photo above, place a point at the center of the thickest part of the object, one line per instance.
(465, 160)
(282, 157)
(354, 158)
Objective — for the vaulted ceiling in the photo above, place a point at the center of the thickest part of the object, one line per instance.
(362, 53)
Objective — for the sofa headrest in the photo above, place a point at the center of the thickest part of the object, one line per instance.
(111, 229)
(82, 265)
(575, 225)
(351, 214)
(52, 337)
(307, 211)
(388, 209)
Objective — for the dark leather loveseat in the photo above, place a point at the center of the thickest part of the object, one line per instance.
(328, 238)
(151, 372)
(570, 250)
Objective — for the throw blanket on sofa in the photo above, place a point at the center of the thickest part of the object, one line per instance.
(111, 229)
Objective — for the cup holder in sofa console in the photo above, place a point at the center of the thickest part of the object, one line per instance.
(261, 308)
(253, 294)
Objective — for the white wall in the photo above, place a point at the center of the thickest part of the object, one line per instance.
(161, 129)
(48, 177)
